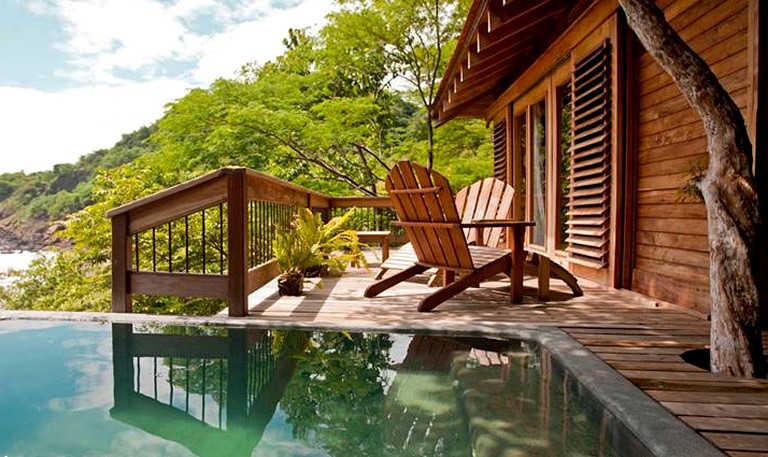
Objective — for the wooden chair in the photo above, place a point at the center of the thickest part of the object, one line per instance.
(486, 199)
(489, 199)
(427, 211)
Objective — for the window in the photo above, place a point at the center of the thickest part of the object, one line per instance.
(561, 165)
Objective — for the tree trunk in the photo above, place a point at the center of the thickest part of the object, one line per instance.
(729, 193)
(430, 141)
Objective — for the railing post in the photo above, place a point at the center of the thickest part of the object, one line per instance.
(121, 262)
(237, 228)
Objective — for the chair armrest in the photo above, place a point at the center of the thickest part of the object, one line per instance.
(497, 223)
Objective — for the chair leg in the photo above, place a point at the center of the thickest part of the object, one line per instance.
(379, 287)
(381, 273)
(429, 303)
(543, 274)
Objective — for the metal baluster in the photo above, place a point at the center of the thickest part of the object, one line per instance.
(250, 234)
(136, 248)
(186, 244)
(154, 249)
(170, 249)
(202, 213)
(221, 238)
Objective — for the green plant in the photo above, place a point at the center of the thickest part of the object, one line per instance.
(693, 174)
(312, 244)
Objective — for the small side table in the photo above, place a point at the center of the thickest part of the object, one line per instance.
(381, 237)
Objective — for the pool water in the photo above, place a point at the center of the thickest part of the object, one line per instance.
(85, 389)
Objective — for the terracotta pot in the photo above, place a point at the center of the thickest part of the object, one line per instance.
(291, 283)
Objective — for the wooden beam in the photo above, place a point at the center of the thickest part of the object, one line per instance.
(593, 17)
(173, 205)
(121, 260)
(367, 202)
(262, 274)
(237, 245)
(177, 284)
(179, 188)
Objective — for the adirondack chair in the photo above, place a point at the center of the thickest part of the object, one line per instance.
(489, 199)
(427, 211)
(486, 199)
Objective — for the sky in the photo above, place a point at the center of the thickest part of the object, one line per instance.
(77, 74)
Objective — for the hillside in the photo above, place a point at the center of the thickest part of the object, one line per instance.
(33, 205)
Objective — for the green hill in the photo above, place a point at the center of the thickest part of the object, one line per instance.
(32, 205)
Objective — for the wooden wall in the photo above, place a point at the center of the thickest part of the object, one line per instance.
(671, 258)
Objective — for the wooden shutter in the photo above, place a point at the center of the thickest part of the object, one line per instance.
(500, 151)
(589, 221)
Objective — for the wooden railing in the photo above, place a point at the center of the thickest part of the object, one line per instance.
(212, 236)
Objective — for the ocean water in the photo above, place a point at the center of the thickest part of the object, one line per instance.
(15, 261)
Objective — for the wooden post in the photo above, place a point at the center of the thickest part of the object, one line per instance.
(121, 262)
(237, 228)
(518, 264)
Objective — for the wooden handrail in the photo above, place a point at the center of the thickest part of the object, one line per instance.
(352, 202)
(231, 188)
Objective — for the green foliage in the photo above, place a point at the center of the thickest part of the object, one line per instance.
(693, 174)
(51, 195)
(313, 244)
(59, 281)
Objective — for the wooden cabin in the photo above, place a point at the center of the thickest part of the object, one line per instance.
(596, 138)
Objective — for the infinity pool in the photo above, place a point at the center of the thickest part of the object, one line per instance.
(81, 389)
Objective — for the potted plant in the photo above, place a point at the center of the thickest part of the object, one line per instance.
(313, 246)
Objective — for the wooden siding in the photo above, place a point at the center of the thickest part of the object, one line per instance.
(671, 252)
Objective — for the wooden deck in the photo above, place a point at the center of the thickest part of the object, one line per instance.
(640, 339)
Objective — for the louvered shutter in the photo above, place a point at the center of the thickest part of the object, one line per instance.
(500, 151)
(589, 215)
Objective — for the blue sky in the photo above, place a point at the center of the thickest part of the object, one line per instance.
(76, 74)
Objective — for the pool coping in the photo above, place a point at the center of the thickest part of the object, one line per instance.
(657, 428)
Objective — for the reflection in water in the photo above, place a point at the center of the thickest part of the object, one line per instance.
(244, 373)
(342, 394)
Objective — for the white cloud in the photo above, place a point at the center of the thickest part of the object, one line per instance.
(257, 40)
(107, 36)
(125, 56)
(41, 129)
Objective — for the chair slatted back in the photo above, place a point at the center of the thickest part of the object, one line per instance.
(490, 198)
(424, 203)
